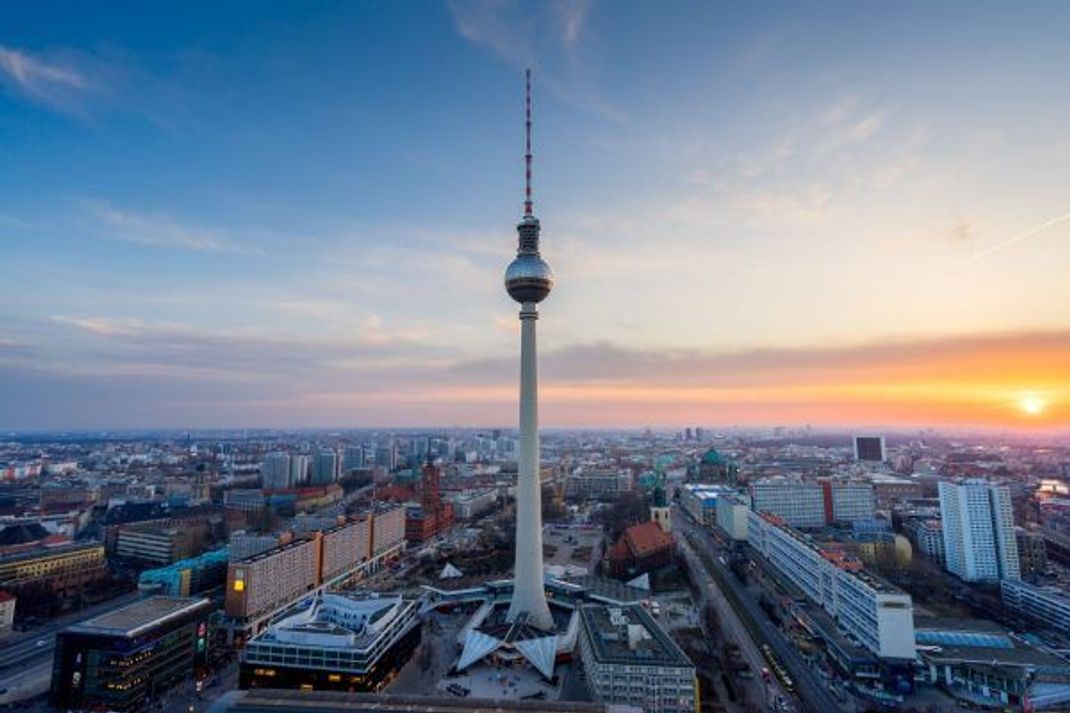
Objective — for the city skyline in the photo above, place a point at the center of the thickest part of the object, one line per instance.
(832, 216)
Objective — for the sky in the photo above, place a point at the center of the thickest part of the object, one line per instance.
(258, 214)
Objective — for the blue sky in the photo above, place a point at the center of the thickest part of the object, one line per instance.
(298, 214)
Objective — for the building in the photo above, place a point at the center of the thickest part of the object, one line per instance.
(158, 545)
(61, 571)
(469, 504)
(7, 612)
(699, 500)
(927, 536)
(641, 548)
(187, 577)
(732, 515)
(869, 448)
(1048, 605)
(261, 585)
(597, 484)
(299, 464)
(250, 500)
(978, 524)
(798, 503)
(628, 659)
(865, 608)
(246, 544)
(275, 471)
(983, 666)
(126, 658)
(848, 501)
(344, 547)
(336, 642)
(890, 489)
(1032, 552)
(352, 458)
(715, 468)
(325, 468)
(433, 515)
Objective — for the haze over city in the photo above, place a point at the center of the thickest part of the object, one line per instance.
(287, 216)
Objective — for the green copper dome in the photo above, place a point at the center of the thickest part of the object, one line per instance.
(712, 457)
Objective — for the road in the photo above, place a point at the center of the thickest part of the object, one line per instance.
(813, 695)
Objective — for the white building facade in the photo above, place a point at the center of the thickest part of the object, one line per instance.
(978, 531)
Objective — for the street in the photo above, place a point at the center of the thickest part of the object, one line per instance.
(737, 605)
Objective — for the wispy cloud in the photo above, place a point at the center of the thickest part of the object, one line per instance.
(161, 231)
(1021, 237)
(55, 85)
(516, 32)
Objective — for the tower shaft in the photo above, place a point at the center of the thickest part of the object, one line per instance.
(529, 594)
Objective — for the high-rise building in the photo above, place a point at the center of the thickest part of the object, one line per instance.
(275, 471)
(978, 524)
(298, 470)
(528, 280)
(325, 468)
(353, 458)
(869, 448)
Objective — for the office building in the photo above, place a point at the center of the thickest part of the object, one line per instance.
(628, 660)
(699, 500)
(325, 468)
(336, 642)
(122, 660)
(978, 524)
(869, 448)
(265, 583)
(927, 536)
(805, 503)
(865, 608)
(299, 464)
(1032, 552)
(64, 571)
(155, 545)
(732, 515)
(469, 504)
(275, 471)
(798, 503)
(597, 484)
(353, 458)
(1047, 605)
(187, 577)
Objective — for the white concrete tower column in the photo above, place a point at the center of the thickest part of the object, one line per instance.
(529, 595)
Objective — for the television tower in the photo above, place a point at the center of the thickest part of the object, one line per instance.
(528, 280)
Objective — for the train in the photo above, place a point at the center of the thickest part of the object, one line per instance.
(777, 668)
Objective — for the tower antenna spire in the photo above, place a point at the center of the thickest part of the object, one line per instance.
(527, 144)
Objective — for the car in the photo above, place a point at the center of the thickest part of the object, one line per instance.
(40, 642)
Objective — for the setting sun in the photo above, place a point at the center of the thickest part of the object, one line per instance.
(1032, 404)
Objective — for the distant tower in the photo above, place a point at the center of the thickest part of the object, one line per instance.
(528, 280)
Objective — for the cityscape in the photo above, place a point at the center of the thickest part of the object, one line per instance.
(780, 422)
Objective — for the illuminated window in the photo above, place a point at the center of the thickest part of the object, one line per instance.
(239, 585)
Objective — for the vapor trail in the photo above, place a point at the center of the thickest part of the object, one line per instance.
(1020, 237)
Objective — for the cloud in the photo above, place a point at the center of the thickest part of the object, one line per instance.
(161, 231)
(54, 85)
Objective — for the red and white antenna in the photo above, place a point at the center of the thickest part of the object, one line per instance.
(527, 146)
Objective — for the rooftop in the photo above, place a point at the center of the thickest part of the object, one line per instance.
(628, 635)
(136, 618)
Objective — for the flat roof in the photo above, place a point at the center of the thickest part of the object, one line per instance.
(610, 631)
(139, 616)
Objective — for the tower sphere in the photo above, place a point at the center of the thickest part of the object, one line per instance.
(528, 278)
